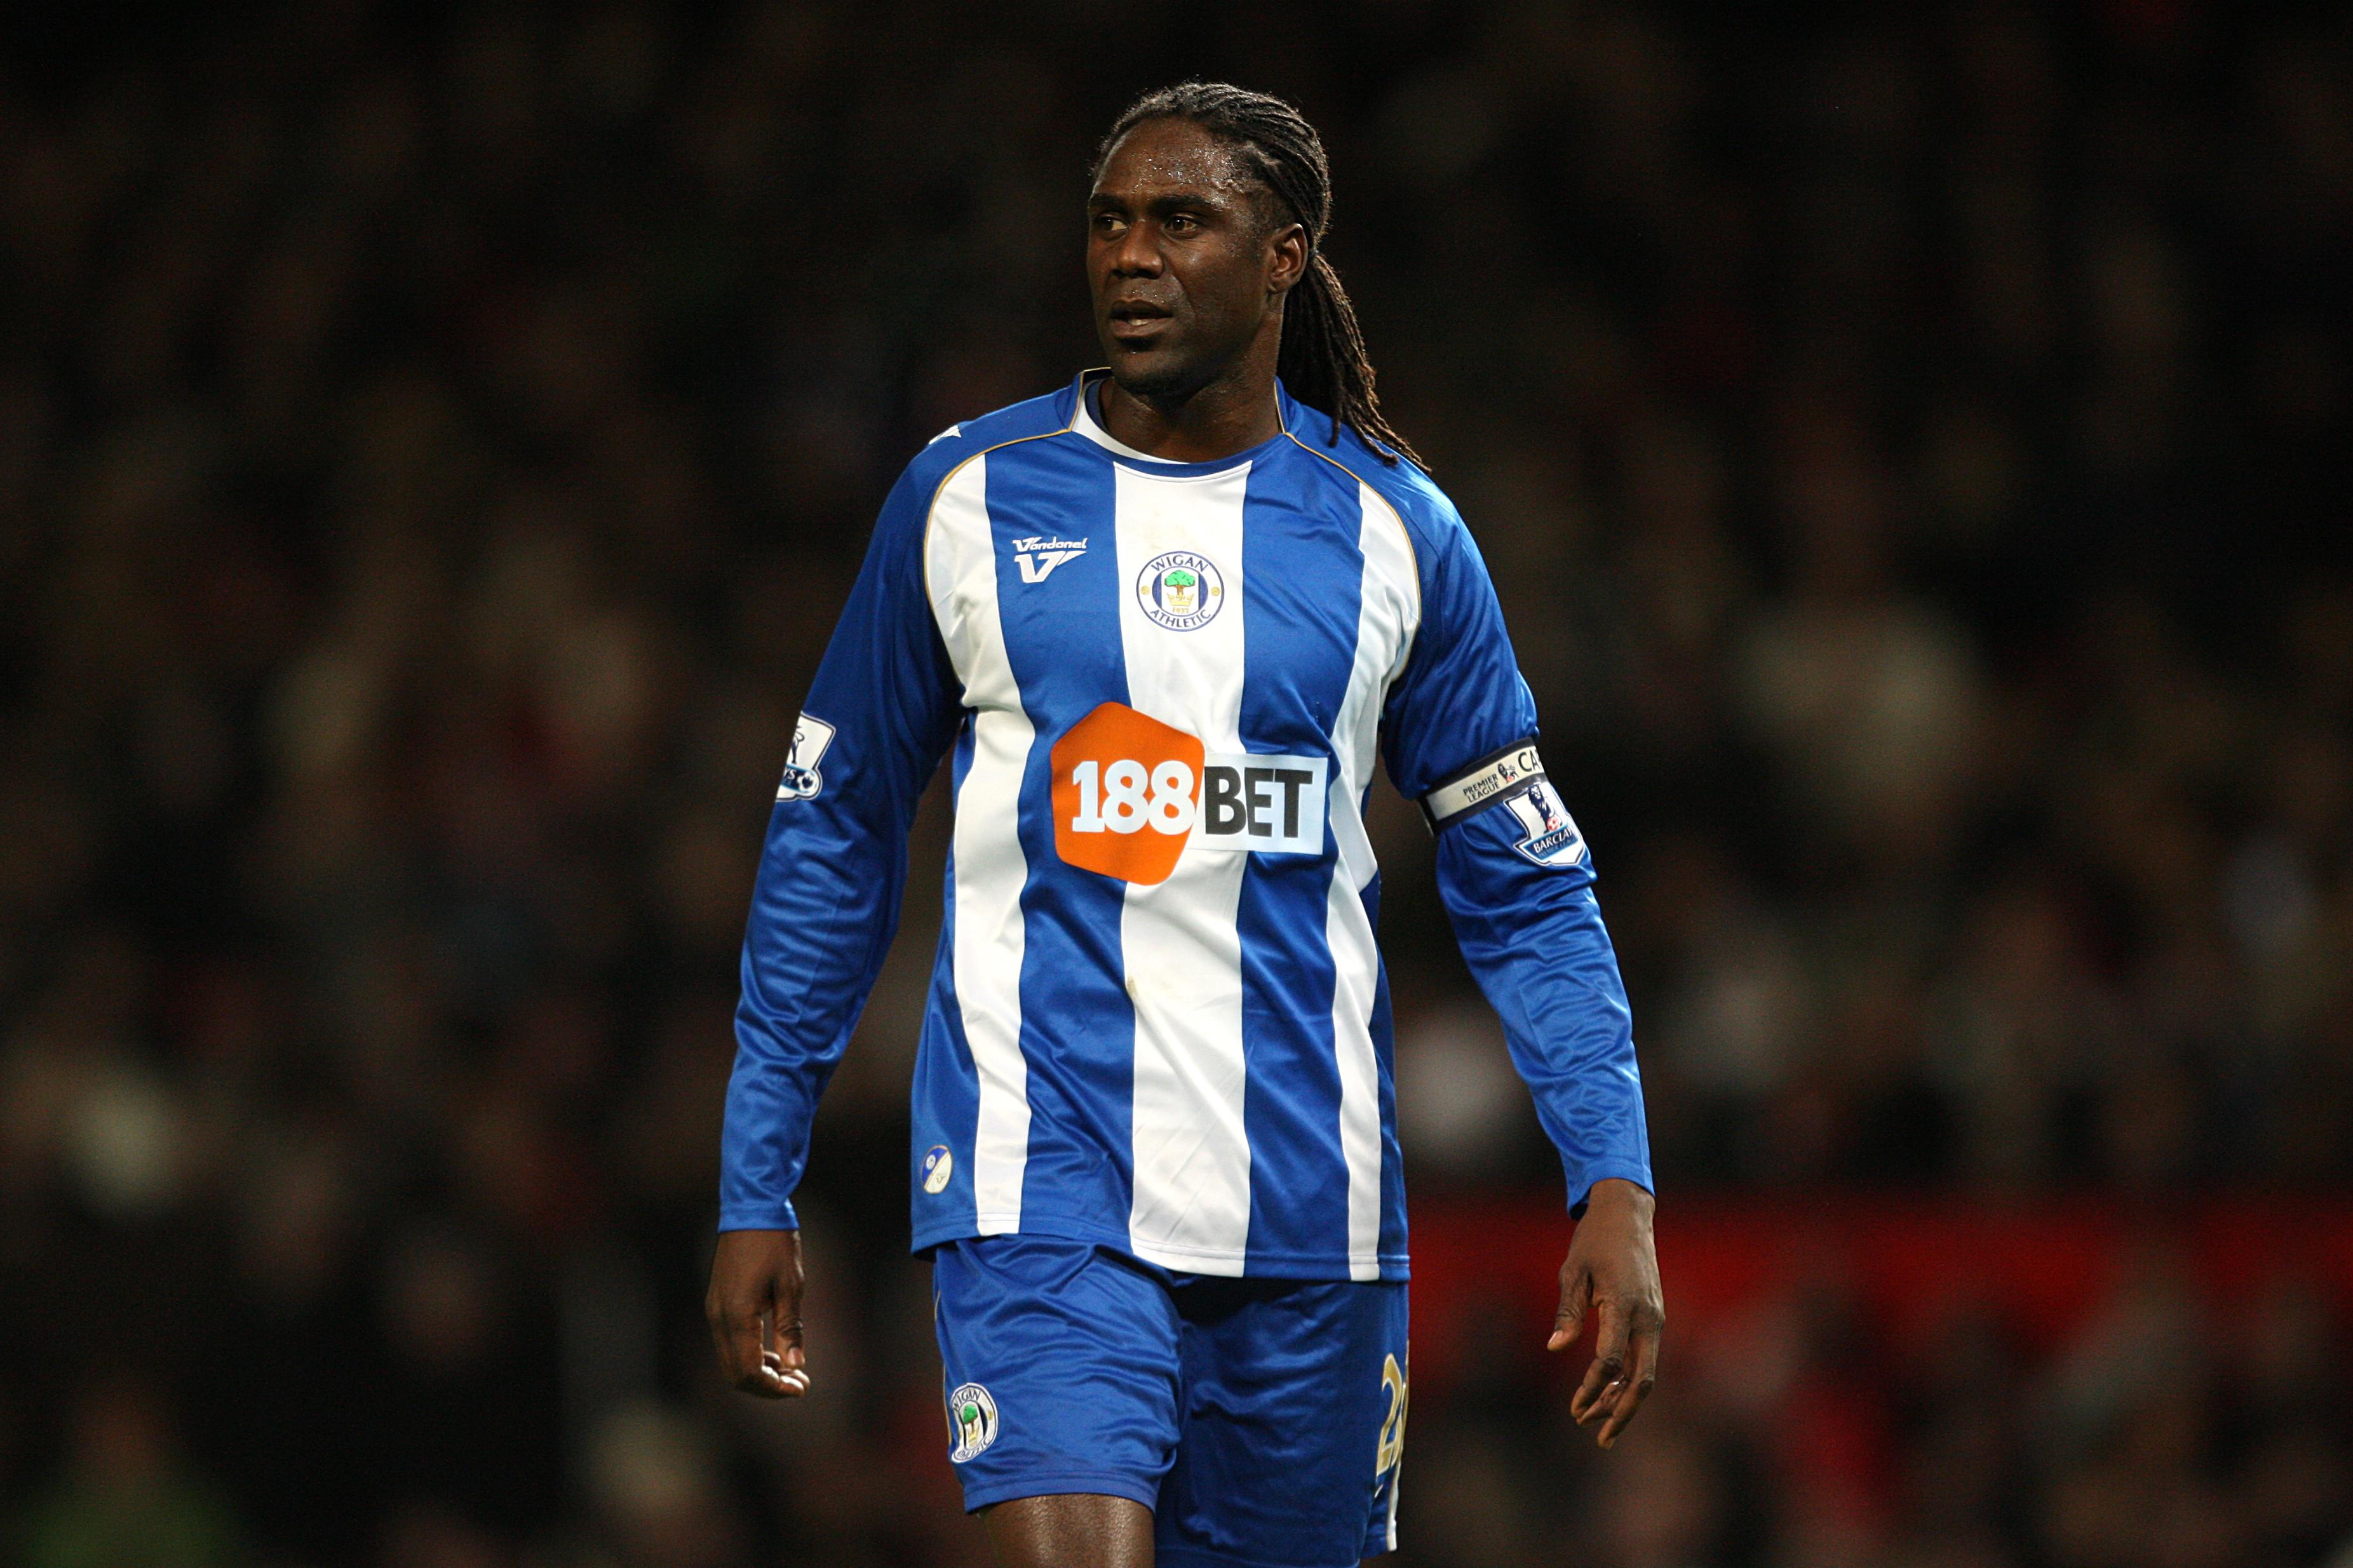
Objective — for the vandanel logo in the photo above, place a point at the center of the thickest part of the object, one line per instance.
(1039, 555)
(1130, 794)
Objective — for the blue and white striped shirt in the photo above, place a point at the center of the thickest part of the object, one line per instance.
(1158, 1019)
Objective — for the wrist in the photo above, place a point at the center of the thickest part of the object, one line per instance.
(1617, 1195)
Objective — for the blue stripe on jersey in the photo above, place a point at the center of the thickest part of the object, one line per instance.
(1393, 1226)
(1078, 1027)
(947, 1086)
(1302, 574)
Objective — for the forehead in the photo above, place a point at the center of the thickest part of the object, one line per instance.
(1162, 157)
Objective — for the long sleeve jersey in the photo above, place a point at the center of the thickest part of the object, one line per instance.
(1158, 1019)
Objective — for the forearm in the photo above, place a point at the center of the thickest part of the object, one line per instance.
(1534, 938)
(880, 712)
(823, 914)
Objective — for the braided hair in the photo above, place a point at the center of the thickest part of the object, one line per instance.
(1322, 359)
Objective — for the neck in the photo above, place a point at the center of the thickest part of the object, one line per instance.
(1232, 412)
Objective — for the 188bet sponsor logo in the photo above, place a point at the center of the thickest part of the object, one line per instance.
(1130, 794)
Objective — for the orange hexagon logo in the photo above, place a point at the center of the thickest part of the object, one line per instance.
(1127, 790)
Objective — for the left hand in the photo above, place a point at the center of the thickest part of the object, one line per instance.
(1613, 1267)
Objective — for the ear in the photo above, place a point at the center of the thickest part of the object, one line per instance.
(1286, 254)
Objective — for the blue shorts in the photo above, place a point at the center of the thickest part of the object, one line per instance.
(1261, 1420)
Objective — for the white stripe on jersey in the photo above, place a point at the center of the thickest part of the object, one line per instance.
(960, 568)
(1387, 618)
(1180, 939)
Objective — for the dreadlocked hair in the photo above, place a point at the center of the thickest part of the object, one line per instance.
(1323, 358)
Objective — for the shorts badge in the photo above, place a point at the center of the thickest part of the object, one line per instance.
(972, 1420)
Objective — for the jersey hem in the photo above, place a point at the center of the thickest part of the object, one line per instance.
(1194, 1557)
(1394, 1267)
(979, 1495)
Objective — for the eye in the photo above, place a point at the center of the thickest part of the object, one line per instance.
(1106, 223)
(1182, 223)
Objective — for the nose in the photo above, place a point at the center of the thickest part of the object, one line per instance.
(1137, 254)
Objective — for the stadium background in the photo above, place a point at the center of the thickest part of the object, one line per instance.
(1910, 441)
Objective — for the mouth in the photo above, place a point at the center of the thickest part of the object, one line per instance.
(1136, 322)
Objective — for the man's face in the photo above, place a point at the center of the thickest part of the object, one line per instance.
(1186, 268)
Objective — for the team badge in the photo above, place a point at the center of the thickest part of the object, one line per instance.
(811, 736)
(1180, 590)
(1547, 835)
(972, 1418)
(938, 1166)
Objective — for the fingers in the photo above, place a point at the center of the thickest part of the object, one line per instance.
(754, 1308)
(1605, 1379)
(1576, 1295)
(758, 1362)
(1630, 1399)
(1611, 1262)
(783, 1358)
(739, 1330)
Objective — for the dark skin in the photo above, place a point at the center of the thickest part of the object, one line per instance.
(1612, 1271)
(1189, 263)
(1188, 269)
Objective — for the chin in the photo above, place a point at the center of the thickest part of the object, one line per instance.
(1151, 378)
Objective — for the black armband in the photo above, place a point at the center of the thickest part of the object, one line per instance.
(1481, 784)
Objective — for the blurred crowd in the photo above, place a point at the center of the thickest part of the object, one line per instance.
(434, 443)
(1802, 1428)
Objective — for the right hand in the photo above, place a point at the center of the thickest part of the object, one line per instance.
(1612, 1267)
(754, 1307)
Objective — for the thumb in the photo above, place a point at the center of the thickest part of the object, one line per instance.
(784, 1355)
(1576, 1296)
(787, 1334)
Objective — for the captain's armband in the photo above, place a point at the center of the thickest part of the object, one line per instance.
(1483, 783)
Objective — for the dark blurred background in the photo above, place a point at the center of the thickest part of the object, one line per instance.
(1911, 442)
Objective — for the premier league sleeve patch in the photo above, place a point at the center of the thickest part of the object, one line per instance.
(811, 736)
(1548, 835)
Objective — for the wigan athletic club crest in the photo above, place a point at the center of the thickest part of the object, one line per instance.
(939, 1168)
(1180, 590)
(972, 1419)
